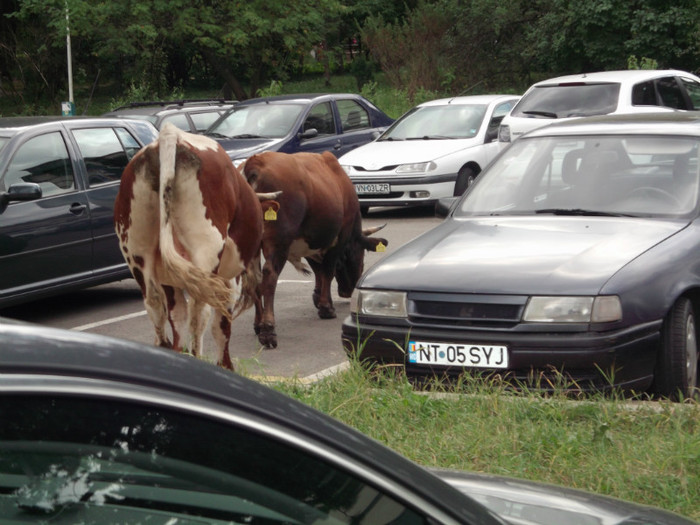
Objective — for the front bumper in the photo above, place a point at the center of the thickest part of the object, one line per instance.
(408, 191)
(581, 361)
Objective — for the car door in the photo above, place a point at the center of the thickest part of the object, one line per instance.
(320, 117)
(47, 240)
(105, 152)
(356, 125)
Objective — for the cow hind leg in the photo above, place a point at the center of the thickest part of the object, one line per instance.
(221, 331)
(198, 314)
(177, 314)
(156, 306)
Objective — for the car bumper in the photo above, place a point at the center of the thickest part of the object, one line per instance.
(582, 361)
(409, 191)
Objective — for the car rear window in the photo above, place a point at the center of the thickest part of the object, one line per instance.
(569, 100)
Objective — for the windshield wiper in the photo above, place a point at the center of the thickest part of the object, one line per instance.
(217, 135)
(580, 211)
(390, 139)
(547, 114)
(246, 136)
(429, 137)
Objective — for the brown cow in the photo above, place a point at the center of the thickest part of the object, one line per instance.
(319, 220)
(188, 223)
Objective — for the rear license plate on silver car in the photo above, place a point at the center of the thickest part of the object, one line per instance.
(453, 354)
(372, 189)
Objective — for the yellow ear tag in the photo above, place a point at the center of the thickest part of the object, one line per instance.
(270, 214)
(380, 247)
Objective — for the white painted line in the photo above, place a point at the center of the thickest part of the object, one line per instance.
(108, 321)
(332, 370)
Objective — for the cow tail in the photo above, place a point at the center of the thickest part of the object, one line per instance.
(201, 285)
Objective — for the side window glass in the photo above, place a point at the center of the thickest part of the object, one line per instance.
(202, 121)
(129, 143)
(104, 156)
(693, 90)
(644, 94)
(670, 93)
(96, 458)
(43, 160)
(352, 115)
(321, 118)
(179, 119)
(498, 113)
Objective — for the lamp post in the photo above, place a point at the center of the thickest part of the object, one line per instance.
(68, 108)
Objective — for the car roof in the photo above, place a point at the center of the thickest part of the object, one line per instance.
(470, 99)
(155, 107)
(299, 97)
(622, 76)
(13, 125)
(27, 349)
(681, 123)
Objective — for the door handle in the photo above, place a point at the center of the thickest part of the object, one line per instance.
(77, 208)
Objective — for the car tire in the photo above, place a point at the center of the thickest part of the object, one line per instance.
(676, 374)
(465, 178)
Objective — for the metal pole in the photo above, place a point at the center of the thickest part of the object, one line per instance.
(70, 60)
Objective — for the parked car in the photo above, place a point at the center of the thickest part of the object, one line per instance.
(192, 115)
(98, 430)
(572, 260)
(59, 178)
(434, 150)
(601, 93)
(336, 122)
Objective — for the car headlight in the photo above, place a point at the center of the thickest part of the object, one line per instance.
(418, 167)
(379, 302)
(504, 133)
(602, 309)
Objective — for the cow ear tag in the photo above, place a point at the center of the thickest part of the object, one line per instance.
(270, 214)
(380, 247)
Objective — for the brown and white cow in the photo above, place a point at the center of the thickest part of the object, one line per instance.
(188, 223)
(319, 220)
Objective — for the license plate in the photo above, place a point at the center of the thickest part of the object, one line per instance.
(453, 354)
(372, 189)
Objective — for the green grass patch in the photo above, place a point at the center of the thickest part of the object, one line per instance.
(639, 451)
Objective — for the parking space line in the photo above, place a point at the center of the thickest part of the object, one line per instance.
(90, 326)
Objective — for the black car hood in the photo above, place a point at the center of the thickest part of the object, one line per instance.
(244, 148)
(523, 502)
(519, 255)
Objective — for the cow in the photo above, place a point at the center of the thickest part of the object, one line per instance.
(190, 230)
(319, 220)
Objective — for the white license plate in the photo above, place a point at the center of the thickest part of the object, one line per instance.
(372, 189)
(453, 354)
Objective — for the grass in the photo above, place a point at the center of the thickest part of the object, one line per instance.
(643, 452)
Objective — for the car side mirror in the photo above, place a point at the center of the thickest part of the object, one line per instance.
(444, 206)
(22, 191)
(308, 134)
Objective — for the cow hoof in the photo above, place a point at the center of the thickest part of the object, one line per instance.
(267, 336)
(326, 312)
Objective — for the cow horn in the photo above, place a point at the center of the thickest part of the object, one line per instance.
(369, 231)
(270, 196)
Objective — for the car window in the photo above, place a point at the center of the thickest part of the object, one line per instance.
(111, 461)
(257, 121)
(693, 90)
(670, 93)
(569, 100)
(321, 119)
(644, 94)
(129, 143)
(178, 119)
(103, 153)
(620, 175)
(352, 115)
(499, 113)
(202, 121)
(43, 160)
(3, 141)
(446, 121)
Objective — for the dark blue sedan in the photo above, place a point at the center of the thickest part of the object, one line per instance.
(337, 122)
(573, 261)
(59, 178)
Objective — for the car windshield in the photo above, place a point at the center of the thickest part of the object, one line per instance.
(457, 121)
(575, 99)
(3, 141)
(267, 121)
(617, 175)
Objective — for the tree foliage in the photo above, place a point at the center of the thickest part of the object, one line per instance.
(451, 46)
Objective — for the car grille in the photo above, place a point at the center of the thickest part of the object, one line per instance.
(455, 310)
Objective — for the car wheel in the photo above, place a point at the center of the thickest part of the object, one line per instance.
(676, 374)
(465, 178)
